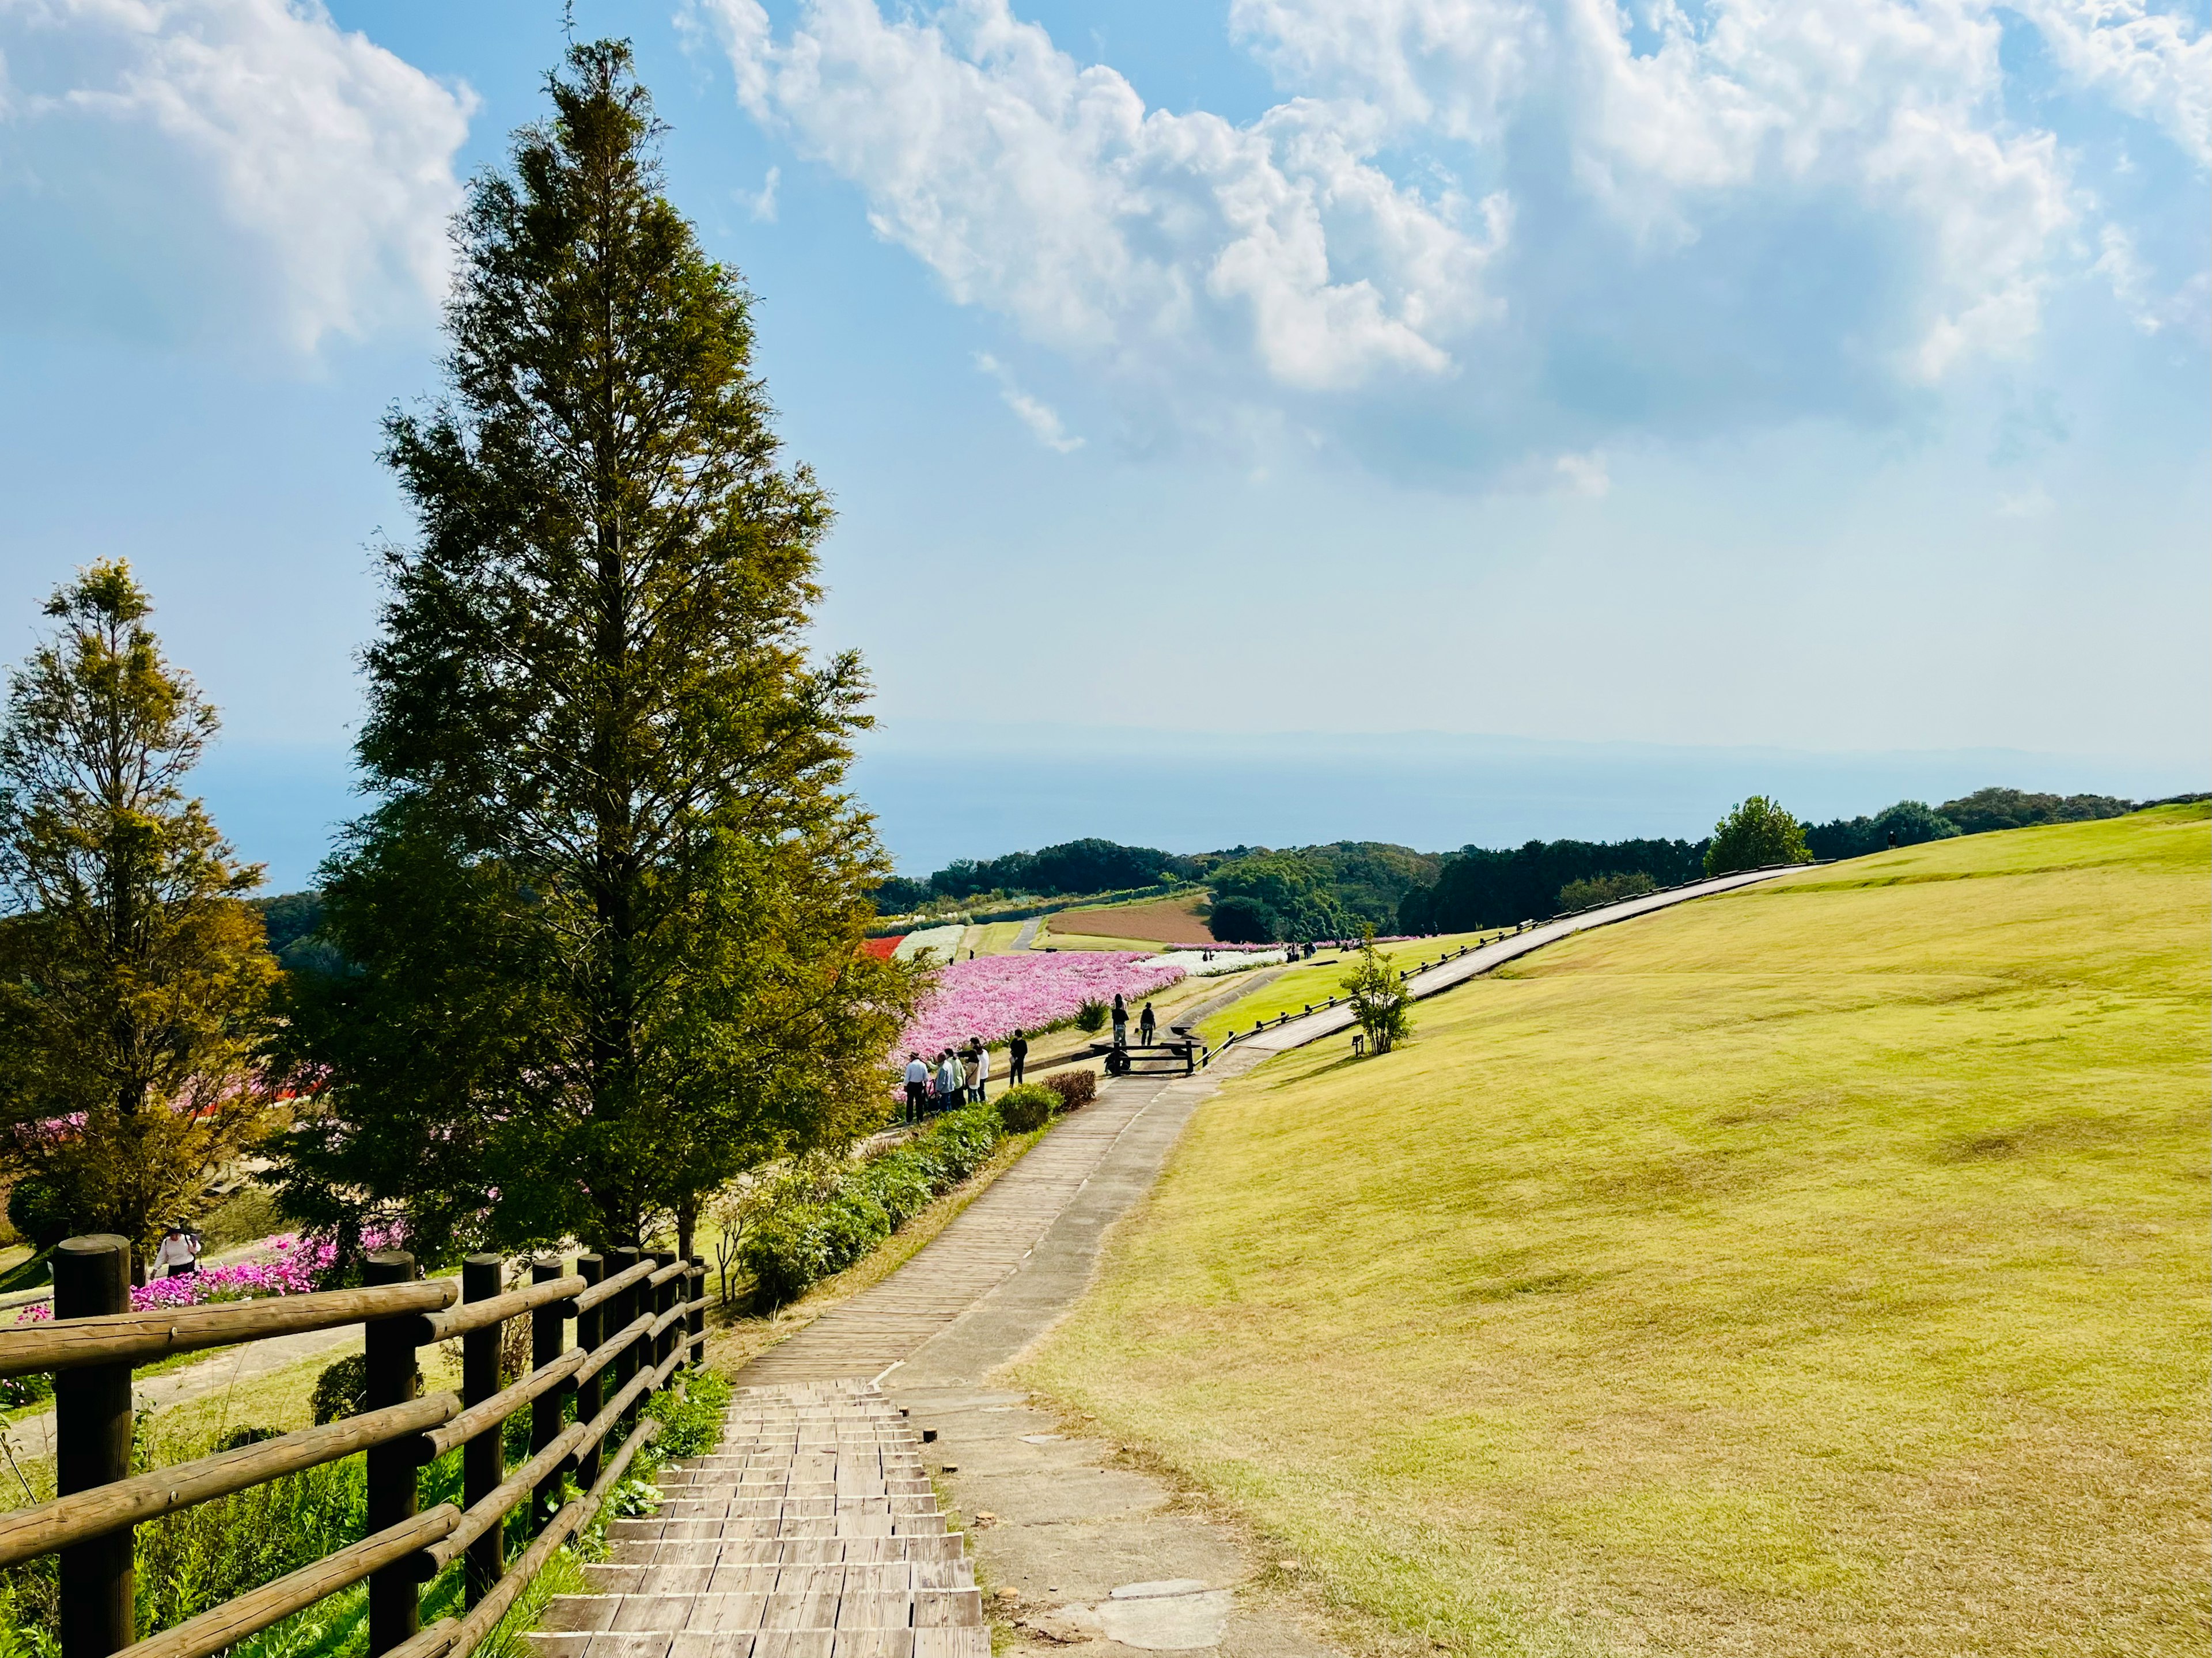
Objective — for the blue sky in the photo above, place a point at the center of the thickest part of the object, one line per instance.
(1688, 396)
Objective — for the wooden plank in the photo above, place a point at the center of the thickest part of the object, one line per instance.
(140, 1338)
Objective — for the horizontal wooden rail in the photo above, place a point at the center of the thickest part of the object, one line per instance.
(136, 1338)
(611, 1349)
(456, 1637)
(674, 1269)
(483, 1515)
(256, 1610)
(501, 1405)
(614, 1286)
(25, 1532)
(475, 1314)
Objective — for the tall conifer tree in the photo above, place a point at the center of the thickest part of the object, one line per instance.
(134, 983)
(602, 923)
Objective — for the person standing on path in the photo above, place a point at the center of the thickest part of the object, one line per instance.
(1017, 1053)
(1121, 1021)
(177, 1255)
(1147, 1023)
(978, 1070)
(917, 1087)
(949, 1081)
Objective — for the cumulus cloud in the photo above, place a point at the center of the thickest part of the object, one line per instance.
(242, 170)
(1481, 229)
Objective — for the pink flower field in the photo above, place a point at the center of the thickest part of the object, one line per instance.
(993, 996)
(290, 1271)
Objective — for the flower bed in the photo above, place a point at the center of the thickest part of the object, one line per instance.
(291, 1270)
(1223, 960)
(993, 996)
(940, 941)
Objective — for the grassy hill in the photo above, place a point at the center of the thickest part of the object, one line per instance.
(1817, 1269)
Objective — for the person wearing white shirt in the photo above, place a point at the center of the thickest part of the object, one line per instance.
(177, 1255)
(917, 1087)
(979, 1071)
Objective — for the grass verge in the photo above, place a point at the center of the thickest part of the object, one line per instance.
(1817, 1269)
(1296, 988)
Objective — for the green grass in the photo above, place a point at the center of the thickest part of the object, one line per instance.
(1299, 987)
(1819, 1269)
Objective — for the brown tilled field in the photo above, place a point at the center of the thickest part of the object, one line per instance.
(1168, 921)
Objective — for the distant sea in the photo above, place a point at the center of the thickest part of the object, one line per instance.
(943, 791)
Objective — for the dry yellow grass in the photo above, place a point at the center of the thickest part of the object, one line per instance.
(1817, 1270)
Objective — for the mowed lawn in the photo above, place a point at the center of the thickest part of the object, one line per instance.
(1821, 1268)
(1296, 988)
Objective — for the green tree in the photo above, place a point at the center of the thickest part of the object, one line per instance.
(601, 930)
(1756, 834)
(134, 982)
(1378, 998)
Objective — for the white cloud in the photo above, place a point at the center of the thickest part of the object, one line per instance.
(1042, 420)
(762, 204)
(2152, 65)
(1584, 475)
(1513, 225)
(242, 170)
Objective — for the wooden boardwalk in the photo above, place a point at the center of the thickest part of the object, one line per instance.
(811, 1532)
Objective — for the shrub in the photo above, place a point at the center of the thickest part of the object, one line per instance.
(1757, 834)
(806, 1238)
(342, 1390)
(1028, 1108)
(691, 1424)
(1074, 1088)
(1090, 1018)
(1603, 889)
(1242, 921)
(41, 1212)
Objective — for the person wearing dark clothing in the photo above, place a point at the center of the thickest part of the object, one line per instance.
(917, 1088)
(1018, 1052)
(1147, 1023)
(1121, 1021)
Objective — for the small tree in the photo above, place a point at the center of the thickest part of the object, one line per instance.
(134, 983)
(1378, 998)
(1757, 835)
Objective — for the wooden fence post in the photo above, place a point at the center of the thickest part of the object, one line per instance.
(593, 1269)
(664, 1344)
(625, 1312)
(545, 1348)
(483, 1461)
(695, 1325)
(92, 1447)
(394, 1604)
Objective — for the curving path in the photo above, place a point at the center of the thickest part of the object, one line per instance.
(1082, 1548)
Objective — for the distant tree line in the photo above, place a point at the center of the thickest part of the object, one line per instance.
(1073, 867)
(1479, 888)
(1312, 892)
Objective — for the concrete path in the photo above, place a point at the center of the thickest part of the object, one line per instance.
(1028, 935)
(1078, 1546)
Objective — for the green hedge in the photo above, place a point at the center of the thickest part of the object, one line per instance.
(798, 1244)
(1027, 1107)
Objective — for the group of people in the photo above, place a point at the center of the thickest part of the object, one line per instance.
(958, 1075)
(1149, 1022)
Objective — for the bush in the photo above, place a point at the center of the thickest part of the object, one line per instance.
(1242, 921)
(1757, 835)
(342, 1390)
(690, 1425)
(41, 1212)
(1028, 1108)
(1603, 889)
(809, 1237)
(1091, 1016)
(1074, 1088)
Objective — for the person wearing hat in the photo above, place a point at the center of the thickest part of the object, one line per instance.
(177, 1255)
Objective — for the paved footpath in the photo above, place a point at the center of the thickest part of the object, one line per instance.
(818, 1508)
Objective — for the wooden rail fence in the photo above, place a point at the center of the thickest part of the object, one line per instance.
(638, 1318)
